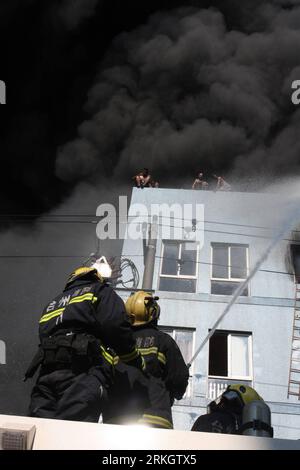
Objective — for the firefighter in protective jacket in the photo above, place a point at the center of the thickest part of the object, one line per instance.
(81, 331)
(225, 413)
(167, 372)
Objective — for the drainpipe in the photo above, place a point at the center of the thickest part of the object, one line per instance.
(150, 256)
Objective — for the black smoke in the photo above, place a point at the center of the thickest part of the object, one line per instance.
(97, 89)
(73, 12)
(191, 89)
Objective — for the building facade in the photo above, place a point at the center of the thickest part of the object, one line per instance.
(213, 244)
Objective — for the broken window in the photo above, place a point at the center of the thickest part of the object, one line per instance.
(230, 355)
(179, 267)
(295, 250)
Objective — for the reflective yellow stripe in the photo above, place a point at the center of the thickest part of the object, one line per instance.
(151, 419)
(80, 298)
(116, 360)
(162, 358)
(107, 356)
(129, 357)
(154, 350)
(53, 314)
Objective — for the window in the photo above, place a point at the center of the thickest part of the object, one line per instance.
(184, 338)
(178, 272)
(230, 355)
(229, 268)
(295, 250)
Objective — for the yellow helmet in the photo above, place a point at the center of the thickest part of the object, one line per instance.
(83, 271)
(235, 397)
(246, 393)
(142, 308)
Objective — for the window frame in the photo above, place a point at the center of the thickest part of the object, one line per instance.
(164, 328)
(229, 375)
(229, 265)
(179, 276)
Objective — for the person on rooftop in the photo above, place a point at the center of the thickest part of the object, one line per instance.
(222, 185)
(142, 179)
(199, 182)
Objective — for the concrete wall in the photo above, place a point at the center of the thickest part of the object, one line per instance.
(70, 435)
(267, 312)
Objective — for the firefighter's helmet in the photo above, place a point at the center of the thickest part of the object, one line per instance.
(83, 271)
(235, 397)
(142, 307)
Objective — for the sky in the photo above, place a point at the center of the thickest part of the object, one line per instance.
(96, 90)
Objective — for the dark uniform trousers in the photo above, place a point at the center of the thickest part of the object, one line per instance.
(64, 394)
(148, 399)
(138, 398)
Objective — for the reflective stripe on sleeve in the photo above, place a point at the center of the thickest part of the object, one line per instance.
(154, 350)
(130, 356)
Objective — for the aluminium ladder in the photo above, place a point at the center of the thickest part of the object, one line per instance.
(294, 374)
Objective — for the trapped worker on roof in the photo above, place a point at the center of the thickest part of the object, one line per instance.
(142, 179)
(199, 182)
(222, 185)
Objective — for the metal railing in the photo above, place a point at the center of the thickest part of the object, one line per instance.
(217, 385)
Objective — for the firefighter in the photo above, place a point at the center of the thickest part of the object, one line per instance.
(81, 330)
(225, 413)
(167, 372)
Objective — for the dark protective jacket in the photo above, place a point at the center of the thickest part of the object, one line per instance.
(218, 421)
(149, 398)
(81, 332)
(91, 307)
(163, 358)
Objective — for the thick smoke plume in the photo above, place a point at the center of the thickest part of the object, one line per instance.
(186, 92)
(73, 12)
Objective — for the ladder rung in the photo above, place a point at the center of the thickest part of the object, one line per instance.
(297, 338)
(295, 349)
(294, 393)
(297, 382)
(295, 371)
(296, 360)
